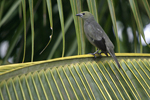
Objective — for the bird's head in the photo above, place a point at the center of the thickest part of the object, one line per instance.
(85, 15)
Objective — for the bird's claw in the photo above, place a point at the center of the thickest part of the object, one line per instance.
(93, 54)
(100, 54)
(96, 53)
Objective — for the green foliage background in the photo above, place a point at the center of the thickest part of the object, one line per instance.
(26, 25)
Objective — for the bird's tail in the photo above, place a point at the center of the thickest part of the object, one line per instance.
(111, 52)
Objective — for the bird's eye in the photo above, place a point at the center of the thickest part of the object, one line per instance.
(83, 13)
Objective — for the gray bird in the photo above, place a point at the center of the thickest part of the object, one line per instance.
(97, 36)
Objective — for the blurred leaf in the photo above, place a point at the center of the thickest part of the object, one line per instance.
(24, 20)
(32, 26)
(147, 7)
(113, 17)
(103, 10)
(61, 16)
(136, 13)
(11, 10)
(72, 48)
(134, 33)
(13, 41)
(49, 7)
(44, 13)
(16, 35)
(20, 11)
(82, 35)
(75, 10)
(59, 38)
(93, 8)
(2, 8)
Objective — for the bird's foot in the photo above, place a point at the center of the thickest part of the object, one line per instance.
(99, 54)
(96, 52)
(93, 54)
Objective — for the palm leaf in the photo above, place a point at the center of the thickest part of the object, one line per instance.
(77, 77)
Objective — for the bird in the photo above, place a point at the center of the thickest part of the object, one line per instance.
(97, 36)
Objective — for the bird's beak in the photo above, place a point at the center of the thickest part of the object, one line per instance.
(79, 14)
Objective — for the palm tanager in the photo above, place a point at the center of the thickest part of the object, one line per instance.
(97, 36)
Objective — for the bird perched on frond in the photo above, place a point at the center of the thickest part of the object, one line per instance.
(96, 35)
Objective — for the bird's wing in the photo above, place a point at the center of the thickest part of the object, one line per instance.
(99, 32)
(94, 35)
(95, 31)
(97, 35)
